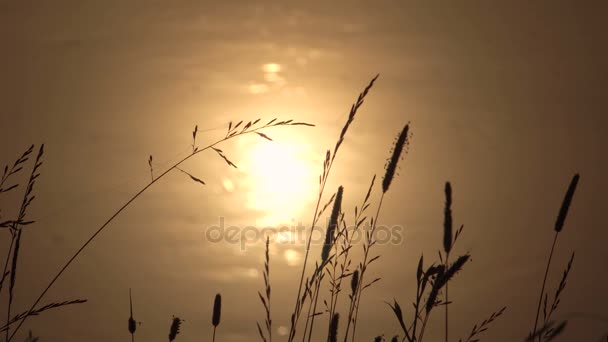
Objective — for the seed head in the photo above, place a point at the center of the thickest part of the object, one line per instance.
(217, 310)
(391, 166)
(333, 223)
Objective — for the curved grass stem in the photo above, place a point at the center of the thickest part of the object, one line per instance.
(124, 206)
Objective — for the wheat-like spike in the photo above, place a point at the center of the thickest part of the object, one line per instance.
(217, 310)
(354, 282)
(447, 221)
(563, 212)
(351, 114)
(333, 222)
(559, 224)
(174, 329)
(442, 278)
(333, 328)
(391, 166)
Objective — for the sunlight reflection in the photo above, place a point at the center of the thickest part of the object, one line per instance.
(232, 274)
(228, 185)
(282, 330)
(274, 78)
(292, 257)
(285, 237)
(279, 181)
(271, 68)
(258, 88)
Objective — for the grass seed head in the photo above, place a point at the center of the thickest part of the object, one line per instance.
(333, 223)
(391, 166)
(174, 330)
(563, 212)
(217, 310)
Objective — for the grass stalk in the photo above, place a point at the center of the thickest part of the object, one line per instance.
(347, 246)
(266, 300)
(447, 246)
(230, 135)
(559, 225)
(17, 230)
(132, 324)
(542, 289)
(329, 160)
(217, 313)
(370, 242)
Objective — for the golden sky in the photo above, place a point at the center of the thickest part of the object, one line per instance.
(506, 100)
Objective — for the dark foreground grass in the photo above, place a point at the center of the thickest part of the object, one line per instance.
(332, 280)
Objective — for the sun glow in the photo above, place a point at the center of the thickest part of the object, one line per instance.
(280, 181)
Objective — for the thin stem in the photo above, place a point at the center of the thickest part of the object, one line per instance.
(357, 299)
(447, 256)
(214, 333)
(334, 291)
(314, 308)
(426, 318)
(365, 257)
(113, 216)
(314, 221)
(326, 172)
(8, 256)
(542, 290)
(308, 317)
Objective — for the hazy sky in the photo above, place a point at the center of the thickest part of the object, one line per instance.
(506, 100)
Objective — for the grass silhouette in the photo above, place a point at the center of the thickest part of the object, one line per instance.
(336, 262)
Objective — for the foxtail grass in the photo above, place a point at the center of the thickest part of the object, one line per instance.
(327, 166)
(430, 281)
(447, 244)
(401, 144)
(333, 223)
(251, 127)
(343, 259)
(176, 323)
(328, 245)
(132, 324)
(333, 328)
(559, 225)
(217, 313)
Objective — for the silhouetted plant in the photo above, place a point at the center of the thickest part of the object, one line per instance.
(132, 323)
(233, 131)
(327, 165)
(16, 229)
(335, 260)
(559, 225)
(265, 299)
(176, 323)
(435, 279)
(401, 144)
(217, 313)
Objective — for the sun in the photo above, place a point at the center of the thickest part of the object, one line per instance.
(280, 181)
